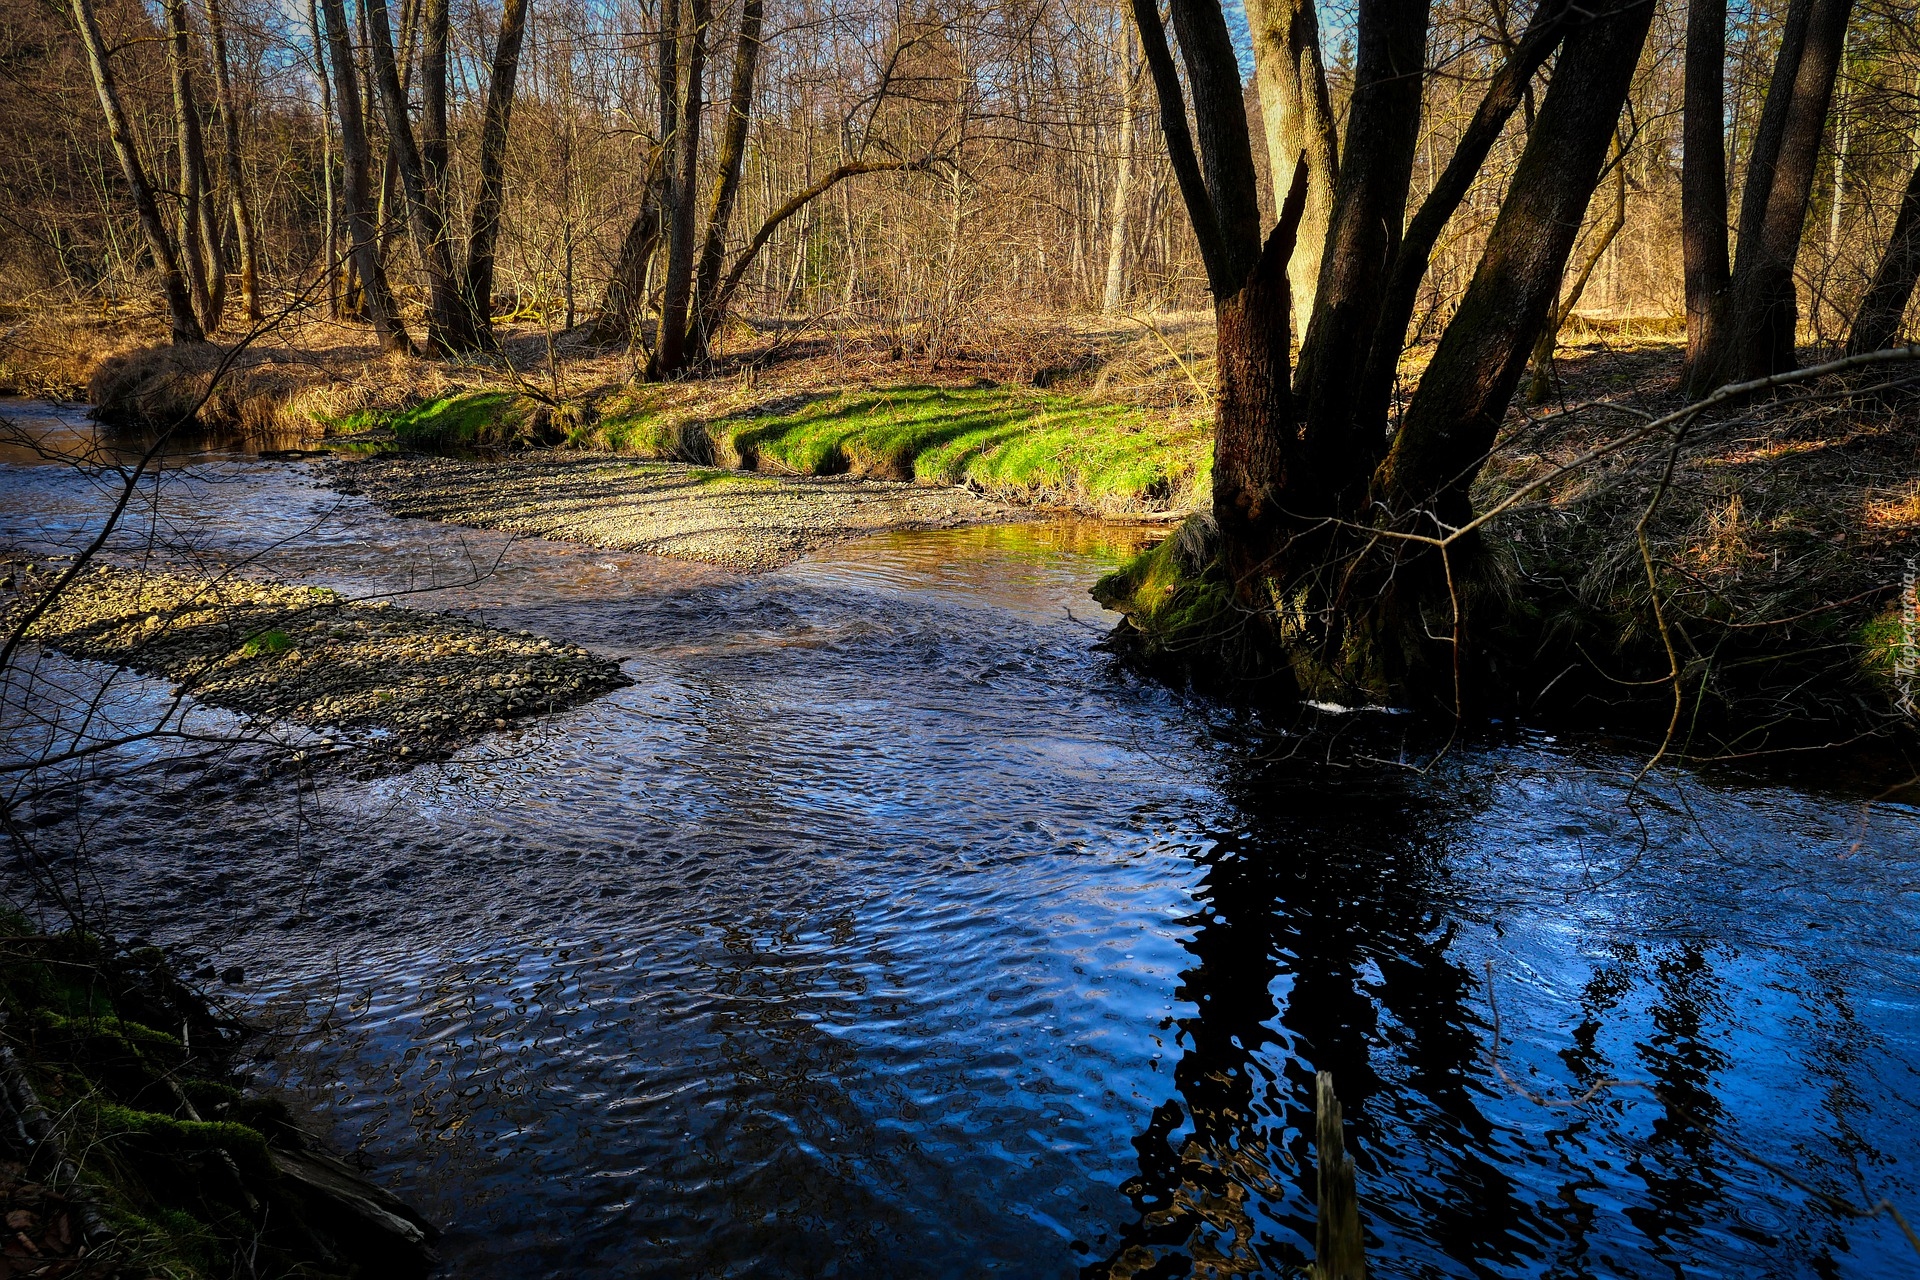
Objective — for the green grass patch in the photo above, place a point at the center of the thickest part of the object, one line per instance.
(471, 418)
(266, 642)
(1009, 441)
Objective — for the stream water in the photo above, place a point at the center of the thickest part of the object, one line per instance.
(885, 927)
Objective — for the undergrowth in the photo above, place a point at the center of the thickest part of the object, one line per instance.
(153, 1161)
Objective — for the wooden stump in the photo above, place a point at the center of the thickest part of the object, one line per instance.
(1339, 1249)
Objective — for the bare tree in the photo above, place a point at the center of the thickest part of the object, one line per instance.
(246, 240)
(357, 168)
(180, 311)
(1762, 322)
(484, 232)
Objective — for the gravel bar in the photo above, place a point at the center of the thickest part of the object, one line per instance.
(743, 520)
(310, 656)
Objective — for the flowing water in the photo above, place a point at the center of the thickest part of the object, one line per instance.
(885, 927)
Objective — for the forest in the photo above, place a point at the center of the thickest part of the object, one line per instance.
(1104, 638)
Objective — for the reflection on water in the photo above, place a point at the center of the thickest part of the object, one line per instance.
(883, 927)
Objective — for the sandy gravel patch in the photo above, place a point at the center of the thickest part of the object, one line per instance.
(739, 519)
(309, 656)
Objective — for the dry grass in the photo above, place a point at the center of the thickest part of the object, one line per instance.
(1778, 546)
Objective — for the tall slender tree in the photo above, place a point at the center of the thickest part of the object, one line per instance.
(246, 241)
(199, 250)
(726, 187)
(449, 327)
(1703, 178)
(484, 232)
(363, 236)
(184, 321)
(1762, 321)
(1297, 112)
(678, 208)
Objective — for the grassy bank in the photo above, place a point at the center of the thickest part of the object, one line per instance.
(1014, 443)
(1103, 417)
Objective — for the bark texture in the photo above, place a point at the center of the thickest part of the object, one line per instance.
(1114, 295)
(1294, 105)
(670, 352)
(246, 241)
(1253, 458)
(191, 149)
(1383, 128)
(726, 189)
(1226, 152)
(1503, 96)
(1703, 178)
(1763, 310)
(449, 330)
(357, 186)
(1450, 424)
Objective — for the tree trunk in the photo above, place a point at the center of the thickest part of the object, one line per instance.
(1226, 152)
(433, 95)
(1877, 323)
(1703, 180)
(1370, 201)
(1222, 278)
(1299, 120)
(448, 329)
(485, 226)
(1411, 593)
(1253, 461)
(236, 180)
(193, 167)
(733, 152)
(1507, 91)
(626, 294)
(180, 313)
(1450, 424)
(1764, 315)
(357, 174)
(331, 215)
(1113, 297)
(627, 288)
(670, 351)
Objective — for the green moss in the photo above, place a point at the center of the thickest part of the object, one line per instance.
(1888, 654)
(1015, 442)
(114, 1122)
(471, 418)
(1177, 601)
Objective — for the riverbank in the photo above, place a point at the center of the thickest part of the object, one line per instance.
(131, 1146)
(404, 685)
(1779, 538)
(1778, 546)
(1101, 416)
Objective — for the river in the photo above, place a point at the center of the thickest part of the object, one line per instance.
(886, 927)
